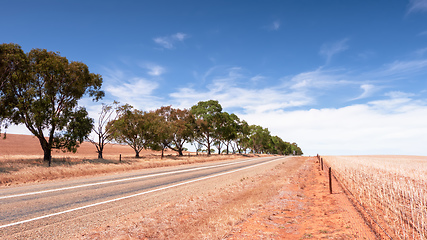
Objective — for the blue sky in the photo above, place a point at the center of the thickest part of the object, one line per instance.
(337, 77)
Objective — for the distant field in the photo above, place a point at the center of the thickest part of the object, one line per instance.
(17, 146)
(392, 189)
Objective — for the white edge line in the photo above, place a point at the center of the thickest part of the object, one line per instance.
(134, 195)
(121, 180)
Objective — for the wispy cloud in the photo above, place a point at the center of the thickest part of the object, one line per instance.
(417, 6)
(368, 90)
(168, 42)
(421, 52)
(400, 69)
(328, 50)
(274, 26)
(126, 88)
(228, 86)
(257, 78)
(153, 69)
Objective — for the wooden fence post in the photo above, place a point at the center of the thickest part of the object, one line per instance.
(321, 163)
(330, 180)
(120, 158)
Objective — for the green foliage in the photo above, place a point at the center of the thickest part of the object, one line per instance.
(177, 128)
(41, 89)
(207, 114)
(136, 128)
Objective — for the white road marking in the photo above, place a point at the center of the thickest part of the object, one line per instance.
(134, 195)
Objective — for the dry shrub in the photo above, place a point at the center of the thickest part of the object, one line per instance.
(392, 189)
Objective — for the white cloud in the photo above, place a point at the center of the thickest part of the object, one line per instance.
(136, 91)
(368, 90)
(230, 90)
(153, 69)
(402, 68)
(357, 129)
(328, 50)
(179, 36)
(417, 6)
(164, 42)
(169, 41)
(257, 78)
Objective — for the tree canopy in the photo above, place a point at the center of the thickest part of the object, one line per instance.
(41, 89)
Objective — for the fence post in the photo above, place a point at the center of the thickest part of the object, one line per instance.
(321, 163)
(120, 158)
(330, 180)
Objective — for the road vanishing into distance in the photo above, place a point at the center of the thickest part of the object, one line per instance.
(62, 209)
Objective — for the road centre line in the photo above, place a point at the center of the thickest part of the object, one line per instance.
(135, 195)
(122, 180)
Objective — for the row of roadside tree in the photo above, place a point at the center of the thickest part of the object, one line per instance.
(205, 125)
(41, 89)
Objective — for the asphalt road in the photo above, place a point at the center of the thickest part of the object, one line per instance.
(58, 209)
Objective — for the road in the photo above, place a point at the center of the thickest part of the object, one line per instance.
(61, 209)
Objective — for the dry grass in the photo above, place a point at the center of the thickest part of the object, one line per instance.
(393, 189)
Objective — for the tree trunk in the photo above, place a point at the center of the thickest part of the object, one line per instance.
(136, 154)
(47, 155)
(180, 152)
(163, 150)
(100, 150)
(47, 150)
(209, 149)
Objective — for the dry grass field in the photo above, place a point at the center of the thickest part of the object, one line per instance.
(21, 160)
(392, 189)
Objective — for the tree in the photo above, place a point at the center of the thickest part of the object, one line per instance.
(206, 114)
(230, 129)
(259, 139)
(41, 89)
(243, 133)
(179, 127)
(103, 133)
(134, 127)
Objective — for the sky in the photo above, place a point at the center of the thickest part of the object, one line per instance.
(336, 77)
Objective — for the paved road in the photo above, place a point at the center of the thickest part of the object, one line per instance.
(41, 210)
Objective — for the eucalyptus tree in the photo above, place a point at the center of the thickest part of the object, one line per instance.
(176, 127)
(134, 127)
(206, 114)
(41, 89)
(227, 129)
(259, 139)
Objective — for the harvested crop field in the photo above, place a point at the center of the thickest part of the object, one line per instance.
(390, 190)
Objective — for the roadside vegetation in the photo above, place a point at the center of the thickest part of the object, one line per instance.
(41, 89)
